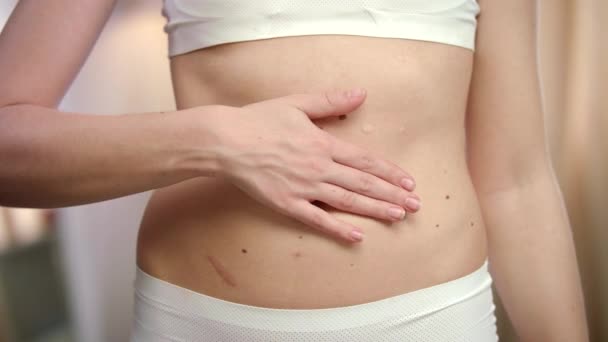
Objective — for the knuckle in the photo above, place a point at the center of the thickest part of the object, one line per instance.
(347, 199)
(321, 142)
(380, 209)
(367, 162)
(365, 184)
(345, 232)
(403, 199)
(398, 199)
(285, 204)
(317, 219)
(282, 205)
(316, 165)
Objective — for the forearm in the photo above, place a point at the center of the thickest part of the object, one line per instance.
(56, 159)
(533, 261)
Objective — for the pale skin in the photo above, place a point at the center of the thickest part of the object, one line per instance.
(507, 153)
(36, 182)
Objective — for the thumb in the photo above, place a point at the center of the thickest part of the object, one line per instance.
(327, 103)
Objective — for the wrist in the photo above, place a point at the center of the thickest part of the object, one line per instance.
(200, 147)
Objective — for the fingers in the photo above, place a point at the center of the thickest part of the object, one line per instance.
(328, 103)
(318, 218)
(375, 190)
(346, 200)
(360, 159)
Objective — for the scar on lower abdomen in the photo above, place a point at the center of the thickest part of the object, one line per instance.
(221, 270)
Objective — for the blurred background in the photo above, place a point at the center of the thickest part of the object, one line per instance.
(67, 274)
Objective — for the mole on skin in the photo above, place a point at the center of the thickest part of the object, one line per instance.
(221, 270)
(437, 225)
(244, 250)
(447, 196)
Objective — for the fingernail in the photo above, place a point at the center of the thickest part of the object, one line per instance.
(357, 235)
(412, 203)
(396, 213)
(356, 92)
(408, 184)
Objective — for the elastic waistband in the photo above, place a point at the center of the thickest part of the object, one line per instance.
(192, 305)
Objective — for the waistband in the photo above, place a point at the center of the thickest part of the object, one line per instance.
(192, 305)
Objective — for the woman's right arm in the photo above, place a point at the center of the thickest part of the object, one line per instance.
(55, 159)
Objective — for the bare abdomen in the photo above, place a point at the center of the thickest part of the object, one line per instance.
(206, 235)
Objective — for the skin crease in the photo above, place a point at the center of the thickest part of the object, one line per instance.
(483, 146)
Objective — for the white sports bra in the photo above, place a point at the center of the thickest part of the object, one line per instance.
(196, 24)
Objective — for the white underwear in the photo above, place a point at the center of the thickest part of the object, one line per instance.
(458, 310)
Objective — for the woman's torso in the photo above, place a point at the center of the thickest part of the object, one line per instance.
(206, 235)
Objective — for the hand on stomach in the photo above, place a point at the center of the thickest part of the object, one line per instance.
(207, 235)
